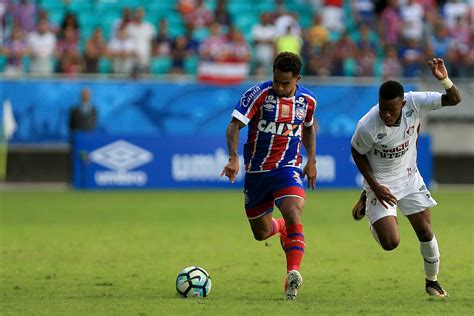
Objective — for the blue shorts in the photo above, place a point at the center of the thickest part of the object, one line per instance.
(263, 189)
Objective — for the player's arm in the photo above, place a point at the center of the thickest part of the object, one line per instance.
(231, 169)
(452, 95)
(309, 143)
(382, 193)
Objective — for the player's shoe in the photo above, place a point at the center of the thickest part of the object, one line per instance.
(292, 283)
(433, 288)
(358, 211)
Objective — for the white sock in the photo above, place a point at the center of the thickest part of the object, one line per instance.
(374, 233)
(430, 253)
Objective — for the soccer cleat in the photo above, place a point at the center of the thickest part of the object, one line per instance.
(358, 211)
(292, 282)
(433, 288)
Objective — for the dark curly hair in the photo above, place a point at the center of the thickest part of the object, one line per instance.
(288, 62)
(390, 90)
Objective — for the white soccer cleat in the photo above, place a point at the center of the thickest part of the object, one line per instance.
(292, 282)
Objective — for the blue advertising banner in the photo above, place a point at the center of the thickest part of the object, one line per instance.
(172, 162)
(42, 107)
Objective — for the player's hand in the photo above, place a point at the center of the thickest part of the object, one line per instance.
(231, 169)
(438, 68)
(385, 197)
(310, 171)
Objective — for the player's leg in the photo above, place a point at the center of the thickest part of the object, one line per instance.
(294, 243)
(266, 226)
(290, 199)
(259, 207)
(416, 206)
(383, 222)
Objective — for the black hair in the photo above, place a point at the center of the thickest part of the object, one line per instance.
(390, 90)
(288, 62)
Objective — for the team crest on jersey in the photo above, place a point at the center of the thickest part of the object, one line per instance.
(411, 130)
(299, 113)
(268, 106)
(409, 113)
(381, 135)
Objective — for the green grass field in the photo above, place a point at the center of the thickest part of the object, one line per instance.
(113, 253)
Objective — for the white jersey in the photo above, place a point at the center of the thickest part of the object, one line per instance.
(392, 151)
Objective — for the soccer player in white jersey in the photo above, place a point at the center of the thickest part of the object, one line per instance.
(384, 150)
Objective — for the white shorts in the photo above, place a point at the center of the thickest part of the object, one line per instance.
(411, 199)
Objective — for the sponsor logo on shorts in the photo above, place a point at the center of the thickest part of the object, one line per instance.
(373, 201)
(297, 178)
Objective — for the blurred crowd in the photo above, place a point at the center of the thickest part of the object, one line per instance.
(391, 38)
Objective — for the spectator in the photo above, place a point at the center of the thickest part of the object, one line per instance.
(141, 33)
(345, 54)
(333, 15)
(236, 49)
(200, 15)
(211, 49)
(67, 52)
(390, 24)
(364, 12)
(162, 43)
(25, 15)
(263, 35)
(441, 44)
(122, 22)
(284, 21)
(83, 117)
(69, 22)
(365, 60)
(412, 17)
(321, 63)
(289, 42)
(454, 9)
(3, 11)
(121, 50)
(221, 15)
(318, 34)
(179, 51)
(42, 45)
(94, 50)
(14, 50)
(391, 67)
(412, 58)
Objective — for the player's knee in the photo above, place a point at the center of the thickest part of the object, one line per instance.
(390, 243)
(260, 234)
(292, 215)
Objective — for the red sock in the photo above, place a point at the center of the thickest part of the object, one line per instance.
(278, 226)
(294, 246)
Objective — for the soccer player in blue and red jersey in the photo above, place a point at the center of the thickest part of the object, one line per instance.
(279, 115)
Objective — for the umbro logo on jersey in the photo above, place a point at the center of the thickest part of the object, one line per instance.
(268, 106)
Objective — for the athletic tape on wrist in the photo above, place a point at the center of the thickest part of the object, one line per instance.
(446, 83)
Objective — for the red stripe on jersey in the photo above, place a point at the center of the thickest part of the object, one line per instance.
(257, 104)
(253, 139)
(311, 107)
(277, 151)
(289, 191)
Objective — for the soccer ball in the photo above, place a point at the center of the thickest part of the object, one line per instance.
(193, 282)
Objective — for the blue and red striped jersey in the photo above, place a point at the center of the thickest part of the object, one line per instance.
(275, 126)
